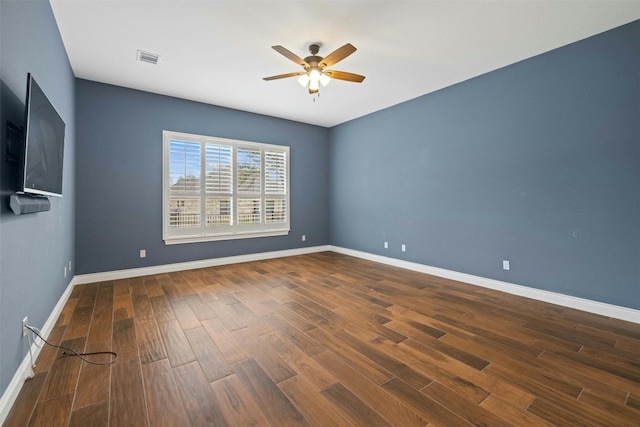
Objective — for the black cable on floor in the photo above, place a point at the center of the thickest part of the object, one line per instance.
(71, 352)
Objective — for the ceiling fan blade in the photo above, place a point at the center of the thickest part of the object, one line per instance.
(292, 56)
(283, 76)
(342, 75)
(338, 55)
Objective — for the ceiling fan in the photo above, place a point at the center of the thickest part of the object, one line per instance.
(315, 67)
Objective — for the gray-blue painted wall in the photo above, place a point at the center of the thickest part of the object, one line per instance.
(34, 248)
(119, 169)
(537, 163)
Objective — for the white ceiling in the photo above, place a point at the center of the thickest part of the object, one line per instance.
(217, 52)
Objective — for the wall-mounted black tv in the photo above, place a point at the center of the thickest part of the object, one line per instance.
(41, 169)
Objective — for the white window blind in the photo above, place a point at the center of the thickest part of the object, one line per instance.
(275, 186)
(218, 184)
(184, 192)
(217, 189)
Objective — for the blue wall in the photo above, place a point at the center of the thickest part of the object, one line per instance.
(537, 163)
(119, 186)
(34, 248)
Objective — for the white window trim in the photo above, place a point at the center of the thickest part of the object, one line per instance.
(232, 232)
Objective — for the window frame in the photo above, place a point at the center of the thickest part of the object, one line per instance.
(225, 232)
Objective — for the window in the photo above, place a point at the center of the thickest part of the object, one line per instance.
(219, 189)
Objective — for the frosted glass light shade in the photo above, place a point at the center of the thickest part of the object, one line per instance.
(303, 80)
(324, 79)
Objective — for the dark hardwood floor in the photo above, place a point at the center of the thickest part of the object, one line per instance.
(328, 340)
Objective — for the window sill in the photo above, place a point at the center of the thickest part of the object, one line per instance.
(219, 237)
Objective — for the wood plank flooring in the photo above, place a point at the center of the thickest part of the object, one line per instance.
(328, 340)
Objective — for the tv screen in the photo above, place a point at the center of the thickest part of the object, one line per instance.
(44, 144)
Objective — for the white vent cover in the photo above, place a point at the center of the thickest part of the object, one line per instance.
(151, 58)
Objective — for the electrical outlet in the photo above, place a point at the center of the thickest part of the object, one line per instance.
(69, 265)
(304, 238)
(65, 271)
(143, 253)
(404, 248)
(386, 245)
(25, 322)
(506, 265)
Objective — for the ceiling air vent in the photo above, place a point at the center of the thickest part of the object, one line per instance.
(151, 58)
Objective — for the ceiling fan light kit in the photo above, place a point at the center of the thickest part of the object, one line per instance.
(315, 67)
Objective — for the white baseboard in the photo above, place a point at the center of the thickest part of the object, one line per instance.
(600, 308)
(191, 265)
(603, 309)
(24, 370)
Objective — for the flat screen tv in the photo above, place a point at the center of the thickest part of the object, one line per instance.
(44, 144)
